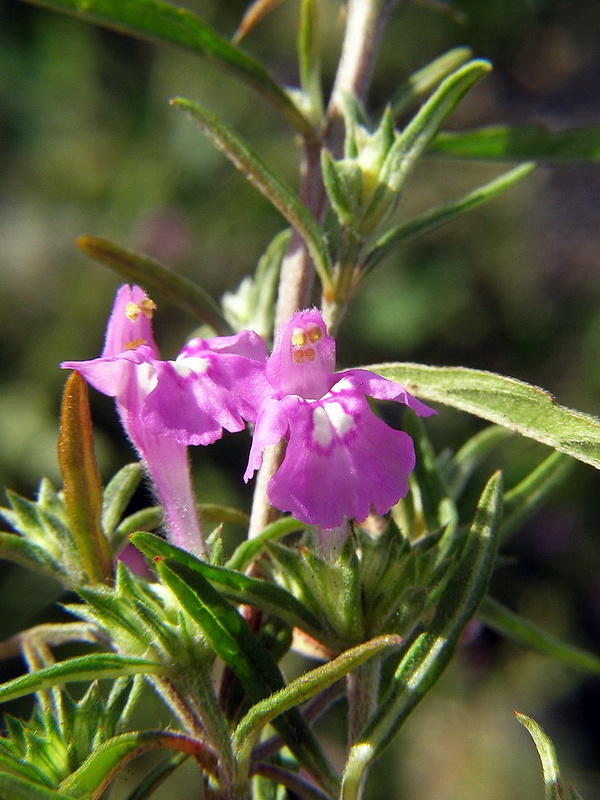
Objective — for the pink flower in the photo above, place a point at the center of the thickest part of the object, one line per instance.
(166, 405)
(341, 460)
(212, 384)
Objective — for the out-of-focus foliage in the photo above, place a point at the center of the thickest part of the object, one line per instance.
(89, 145)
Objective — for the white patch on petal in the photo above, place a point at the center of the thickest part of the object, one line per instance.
(344, 383)
(146, 378)
(331, 420)
(322, 433)
(341, 421)
(194, 365)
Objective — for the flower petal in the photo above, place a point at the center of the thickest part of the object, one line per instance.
(112, 375)
(246, 343)
(190, 405)
(238, 364)
(271, 427)
(130, 322)
(373, 385)
(340, 461)
(303, 357)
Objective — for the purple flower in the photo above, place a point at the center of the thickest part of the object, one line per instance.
(166, 405)
(341, 460)
(212, 384)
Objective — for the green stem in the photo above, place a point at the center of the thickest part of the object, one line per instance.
(363, 687)
(204, 701)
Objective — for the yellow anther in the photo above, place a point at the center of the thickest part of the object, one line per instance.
(132, 311)
(309, 354)
(298, 337)
(314, 333)
(147, 307)
(298, 356)
(134, 343)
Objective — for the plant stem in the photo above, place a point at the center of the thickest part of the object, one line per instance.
(364, 28)
(172, 698)
(297, 270)
(365, 24)
(363, 686)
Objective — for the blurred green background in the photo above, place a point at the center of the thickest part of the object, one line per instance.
(89, 145)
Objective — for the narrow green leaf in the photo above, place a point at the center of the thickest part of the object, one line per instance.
(175, 288)
(525, 498)
(527, 634)
(424, 81)
(98, 769)
(547, 756)
(283, 198)
(441, 215)
(554, 787)
(523, 408)
(417, 135)
(426, 123)
(49, 499)
(471, 455)
(344, 185)
(160, 20)
(247, 551)
(20, 551)
(252, 306)
(82, 485)
(428, 655)
(34, 523)
(235, 585)
(82, 668)
(301, 689)
(147, 519)
(530, 142)
(438, 508)
(13, 786)
(12, 762)
(45, 538)
(117, 495)
(309, 57)
(224, 627)
(240, 649)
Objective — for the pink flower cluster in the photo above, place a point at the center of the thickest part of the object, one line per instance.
(341, 460)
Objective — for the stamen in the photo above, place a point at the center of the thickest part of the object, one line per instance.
(298, 356)
(147, 307)
(135, 343)
(314, 333)
(309, 354)
(132, 311)
(298, 337)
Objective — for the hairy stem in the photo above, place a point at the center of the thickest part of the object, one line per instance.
(364, 28)
(363, 685)
(365, 25)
